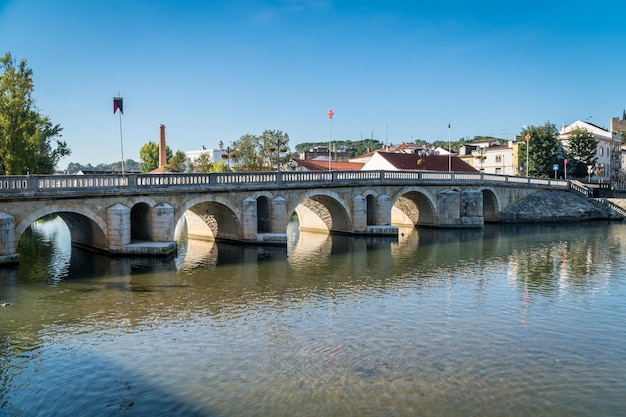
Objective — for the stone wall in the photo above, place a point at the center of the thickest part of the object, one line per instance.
(556, 206)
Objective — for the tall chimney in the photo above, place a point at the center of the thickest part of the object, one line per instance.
(162, 148)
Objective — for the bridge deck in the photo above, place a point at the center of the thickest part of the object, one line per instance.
(105, 184)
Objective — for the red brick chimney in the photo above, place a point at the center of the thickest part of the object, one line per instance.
(162, 149)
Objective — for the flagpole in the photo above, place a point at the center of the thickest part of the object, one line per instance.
(118, 104)
(449, 150)
(122, 144)
(330, 135)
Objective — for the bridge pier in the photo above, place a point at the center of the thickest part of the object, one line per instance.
(8, 253)
(372, 221)
(278, 220)
(161, 232)
(460, 209)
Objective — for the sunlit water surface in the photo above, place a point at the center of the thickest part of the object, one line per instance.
(508, 321)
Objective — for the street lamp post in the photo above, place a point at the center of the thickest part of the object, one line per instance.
(589, 171)
(277, 153)
(280, 142)
(527, 137)
(230, 148)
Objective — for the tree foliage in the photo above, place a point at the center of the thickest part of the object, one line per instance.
(129, 166)
(542, 149)
(202, 163)
(149, 156)
(28, 140)
(267, 151)
(177, 162)
(580, 150)
(247, 155)
(275, 148)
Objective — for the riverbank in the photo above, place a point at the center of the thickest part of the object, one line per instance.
(557, 206)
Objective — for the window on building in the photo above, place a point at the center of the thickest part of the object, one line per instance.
(498, 158)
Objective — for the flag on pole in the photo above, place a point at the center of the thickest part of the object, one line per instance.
(330, 113)
(118, 104)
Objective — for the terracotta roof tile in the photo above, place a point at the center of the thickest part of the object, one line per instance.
(321, 165)
(429, 163)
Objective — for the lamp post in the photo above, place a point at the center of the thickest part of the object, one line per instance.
(279, 144)
(527, 137)
(589, 171)
(231, 148)
(277, 153)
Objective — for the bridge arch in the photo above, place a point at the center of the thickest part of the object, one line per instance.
(211, 218)
(264, 211)
(322, 210)
(264, 214)
(414, 206)
(141, 222)
(141, 218)
(491, 205)
(372, 207)
(86, 226)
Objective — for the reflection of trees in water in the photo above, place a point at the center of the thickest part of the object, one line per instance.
(45, 246)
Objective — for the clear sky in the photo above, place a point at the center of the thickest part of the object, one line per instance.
(213, 71)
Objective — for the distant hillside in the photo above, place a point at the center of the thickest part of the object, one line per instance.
(129, 165)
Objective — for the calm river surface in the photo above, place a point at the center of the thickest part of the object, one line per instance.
(508, 321)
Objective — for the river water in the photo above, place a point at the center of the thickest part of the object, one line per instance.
(506, 321)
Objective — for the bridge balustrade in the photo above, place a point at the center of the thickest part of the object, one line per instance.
(42, 185)
(307, 176)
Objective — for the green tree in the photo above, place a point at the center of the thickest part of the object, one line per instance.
(202, 163)
(177, 162)
(274, 144)
(149, 156)
(580, 150)
(28, 140)
(221, 166)
(247, 155)
(542, 149)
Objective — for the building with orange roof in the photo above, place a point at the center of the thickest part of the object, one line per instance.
(392, 161)
(325, 165)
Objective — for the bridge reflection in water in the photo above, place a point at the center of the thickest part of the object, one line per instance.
(523, 320)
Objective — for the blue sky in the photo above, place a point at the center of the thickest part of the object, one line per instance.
(216, 70)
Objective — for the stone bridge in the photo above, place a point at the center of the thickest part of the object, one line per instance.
(140, 214)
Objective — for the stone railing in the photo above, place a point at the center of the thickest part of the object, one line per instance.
(580, 188)
(54, 185)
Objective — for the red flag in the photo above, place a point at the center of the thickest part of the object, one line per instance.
(118, 103)
(330, 113)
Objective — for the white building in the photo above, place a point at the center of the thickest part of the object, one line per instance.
(490, 157)
(215, 155)
(608, 149)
